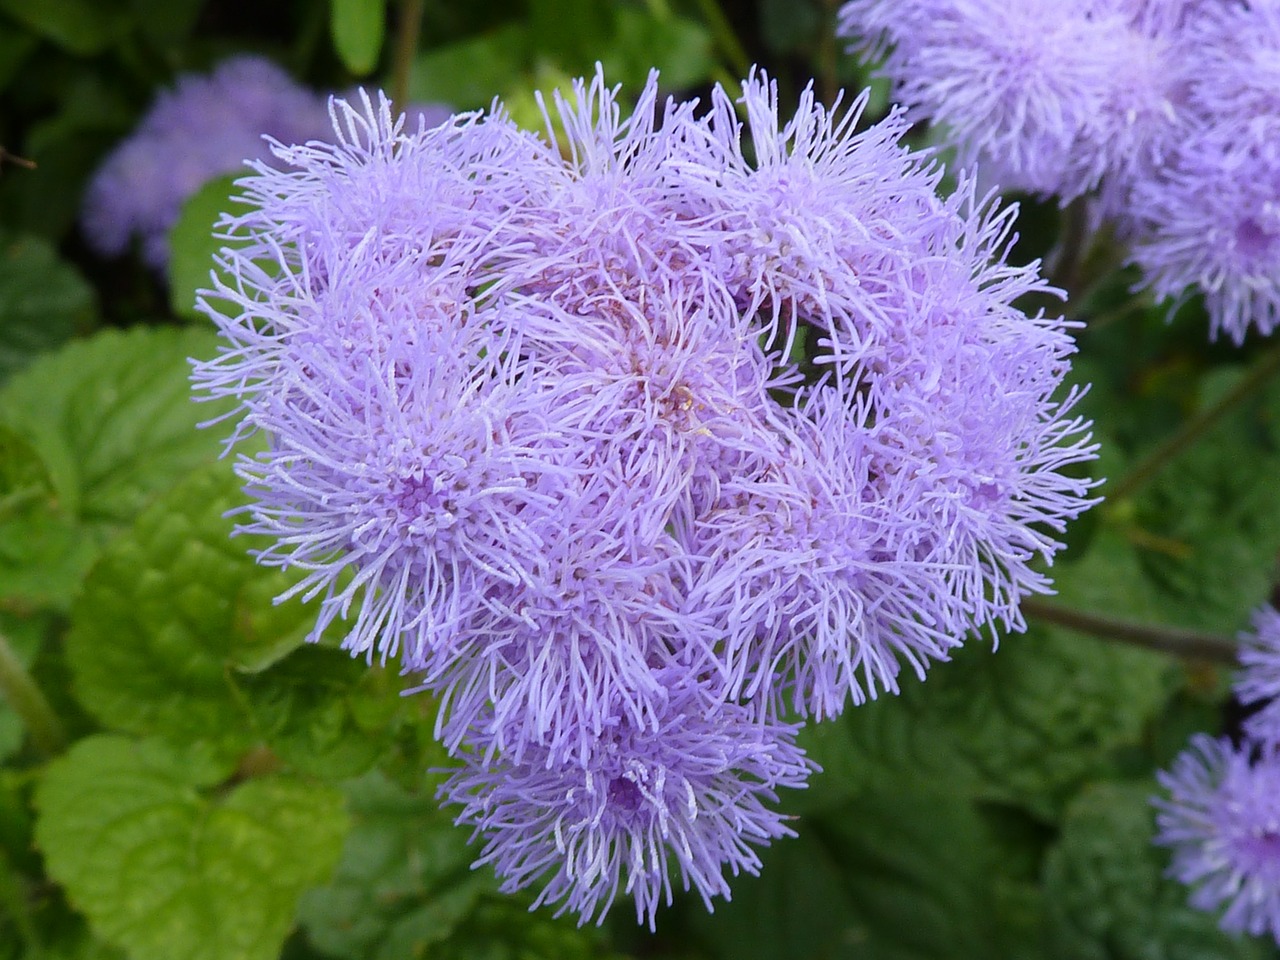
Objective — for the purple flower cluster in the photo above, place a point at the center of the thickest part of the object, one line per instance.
(635, 442)
(204, 127)
(1164, 112)
(1222, 816)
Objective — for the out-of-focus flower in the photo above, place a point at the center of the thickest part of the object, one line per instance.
(1048, 96)
(1212, 220)
(203, 127)
(1221, 821)
(1259, 680)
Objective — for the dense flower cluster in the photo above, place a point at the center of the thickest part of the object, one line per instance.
(204, 127)
(633, 442)
(1164, 112)
(1222, 816)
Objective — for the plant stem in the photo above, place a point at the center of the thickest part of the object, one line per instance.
(1171, 640)
(725, 38)
(1193, 429)
(408, 29)
(1063, 270)
(28, 702)
(828, 53)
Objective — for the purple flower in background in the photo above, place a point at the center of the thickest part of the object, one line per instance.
(203, 127)
(1221, 820)
(691, 796)
(1028, 88)
(1212, 219)
(1259, 680)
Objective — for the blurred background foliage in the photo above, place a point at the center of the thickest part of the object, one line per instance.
(208, 787)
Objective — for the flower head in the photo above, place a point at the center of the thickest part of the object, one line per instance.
(1222, 822)
(1259, 681)
(691, 796)
(626, 442)
(1212, 220)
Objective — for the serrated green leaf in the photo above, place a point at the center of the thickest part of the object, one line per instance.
(172, 608)
(1208, 529)
(43, 301)
(905, 872)
(309, 709)
(404, 888)
(80, 26)
(163, 868)
(1024, 725)
(24, 636)
(357, 28)
(1106, 895)
(112, 422)
(43, 553)
(193, 242)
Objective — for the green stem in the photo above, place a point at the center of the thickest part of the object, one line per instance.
(725, 38)
(1193, 429)
(28, 702)
(1062, 271)
(408, 29)
(1171, 640)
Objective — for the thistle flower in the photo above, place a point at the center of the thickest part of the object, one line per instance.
(204, 127)
(691, 796)
(1222, 822)
(1259, 680)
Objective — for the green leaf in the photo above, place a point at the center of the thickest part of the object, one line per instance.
(571, 33)
(111, 422)
(1106, 894)
(680, 49)
(1208, 529)
(193, 242)
(470, 73)
(1025, 725)
(43, 301)
(43, 552)
(172, 609)
(404, 888)
(357, 28)
(15, 46)
(905, 872)
(324, 713)
(165, 867)
(25, 636)
(82, 27)
(166, 22)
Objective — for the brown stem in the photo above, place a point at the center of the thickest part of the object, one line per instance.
(1171, 640)
(408, 29)
(1191, 431)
